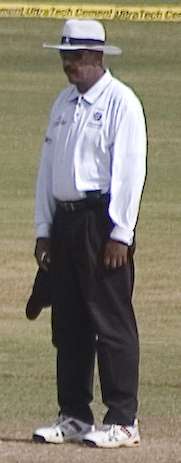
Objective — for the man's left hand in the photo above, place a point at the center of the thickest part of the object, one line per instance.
(115, 254)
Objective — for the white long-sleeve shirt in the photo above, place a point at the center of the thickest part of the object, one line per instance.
(94, 141)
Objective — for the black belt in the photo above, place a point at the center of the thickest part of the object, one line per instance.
(93, 198)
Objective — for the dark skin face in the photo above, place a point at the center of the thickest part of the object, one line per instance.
(83, 68)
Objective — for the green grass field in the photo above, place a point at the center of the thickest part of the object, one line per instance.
(30, 79)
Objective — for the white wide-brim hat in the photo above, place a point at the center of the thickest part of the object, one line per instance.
(81, 34)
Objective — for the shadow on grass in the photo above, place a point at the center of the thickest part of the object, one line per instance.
(16, 440)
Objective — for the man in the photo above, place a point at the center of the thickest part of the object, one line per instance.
(89, 188)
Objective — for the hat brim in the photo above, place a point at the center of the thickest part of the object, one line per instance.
(106, 49)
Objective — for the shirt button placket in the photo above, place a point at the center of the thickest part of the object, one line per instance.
(78, 108)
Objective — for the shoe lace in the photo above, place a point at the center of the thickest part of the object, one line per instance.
(113, 431)
(61, 419)
(69, 425)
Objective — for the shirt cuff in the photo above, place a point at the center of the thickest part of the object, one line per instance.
(120, 234)
(43, 230)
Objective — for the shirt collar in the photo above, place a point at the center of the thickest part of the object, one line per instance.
(93, 93)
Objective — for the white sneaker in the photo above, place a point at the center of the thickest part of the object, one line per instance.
(112, 436)
(64, 429)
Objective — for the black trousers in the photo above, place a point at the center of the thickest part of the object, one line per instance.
(92, 313)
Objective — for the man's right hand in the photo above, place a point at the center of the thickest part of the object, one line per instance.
(42, 253)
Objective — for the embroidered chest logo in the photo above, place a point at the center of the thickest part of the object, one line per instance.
(97, 116)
